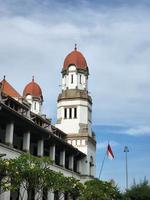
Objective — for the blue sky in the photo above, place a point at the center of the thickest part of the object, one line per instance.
(138, 156)
(113, 35)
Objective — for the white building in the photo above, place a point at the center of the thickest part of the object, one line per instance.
(70, 143)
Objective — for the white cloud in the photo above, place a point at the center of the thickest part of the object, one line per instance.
(115, 42)
(144, 130)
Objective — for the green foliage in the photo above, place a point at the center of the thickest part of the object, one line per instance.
(140, 191)
(4, 179)
(100, 190)
(27, 170)
(73, 187)
(33, 173)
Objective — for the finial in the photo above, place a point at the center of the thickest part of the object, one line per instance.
(32, 78)
(4, 77)
(75, 47)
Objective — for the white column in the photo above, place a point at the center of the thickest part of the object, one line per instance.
(62, 196)
(26, 141)
(67, 113)
(50, 195)
(5, 195)
(40, 150)
(52, 153)
(62, 158)
(23, 193)
(39, 195)
(9, 133)
(71, 162)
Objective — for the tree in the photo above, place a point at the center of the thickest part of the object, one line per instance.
(27, 172)
(100, 190)
(34, 174)
(4, 165)
(140, 191)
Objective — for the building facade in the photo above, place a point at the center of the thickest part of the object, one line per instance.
(70, 143)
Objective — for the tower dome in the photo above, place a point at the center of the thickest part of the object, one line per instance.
(33, 89)
(75, 58)
(33, 94)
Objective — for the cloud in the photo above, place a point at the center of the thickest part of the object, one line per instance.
(144, 130)
(103, 145)
(109, 130)
(35, 38)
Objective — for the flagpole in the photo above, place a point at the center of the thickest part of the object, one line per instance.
(126, 150)
(102, 164)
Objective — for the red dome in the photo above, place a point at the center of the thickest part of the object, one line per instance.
(33, 89)
(75, 58)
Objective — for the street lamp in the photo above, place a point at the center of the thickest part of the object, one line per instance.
(126, 150)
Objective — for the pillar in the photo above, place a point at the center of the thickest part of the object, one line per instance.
(62, 196)
(50, 195)
(52, 153)
(40, 150)
(26, 141)
(62, 158)
(71, 162)
(9, 133)
(23, 192)
(39, 195)
(5, 195)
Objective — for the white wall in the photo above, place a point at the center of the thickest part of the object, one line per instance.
(35, 104)
(12, 153)
(90, 150)
(72, 125)
(77, 82)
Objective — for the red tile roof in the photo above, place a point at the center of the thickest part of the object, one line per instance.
(8, 89)
(76, 58)
(33, 89)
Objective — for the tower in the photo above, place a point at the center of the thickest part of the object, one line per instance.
(33, 94)
(74, 109)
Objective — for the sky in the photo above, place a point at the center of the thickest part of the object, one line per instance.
(114, 37)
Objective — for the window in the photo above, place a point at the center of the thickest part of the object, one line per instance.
(65, 113)
(71, 78)
(70, 113)
(75, 112)
(80, 79)
(35, 105)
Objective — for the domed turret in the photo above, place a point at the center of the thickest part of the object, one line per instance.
(33, 94)
(75, 71)
(75, 58)
(33, 89)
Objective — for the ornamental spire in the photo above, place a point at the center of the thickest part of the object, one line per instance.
(75, 47)
(33, 78)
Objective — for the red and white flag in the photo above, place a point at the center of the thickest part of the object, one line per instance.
(110, 152)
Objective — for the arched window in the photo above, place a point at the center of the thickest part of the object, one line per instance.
(71, 78)
(80, 79)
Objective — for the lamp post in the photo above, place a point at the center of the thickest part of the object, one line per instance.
(126, 150)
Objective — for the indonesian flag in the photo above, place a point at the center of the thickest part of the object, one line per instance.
(110, 152)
